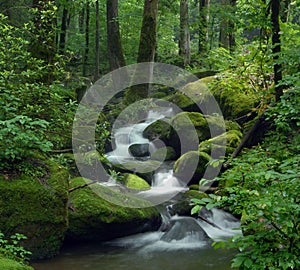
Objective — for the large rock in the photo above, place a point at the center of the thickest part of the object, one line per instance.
(139, 150)
(235, 98)
(190, 128)
(191, 166)
(144, 169)
(194, 96)
(37, 209)
(184, 227)
(183, 206)
(232, 138)
(134, 182)
(164, 154)
(101, 214)
(159, 129)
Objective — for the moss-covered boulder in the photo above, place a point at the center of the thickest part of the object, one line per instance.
(144, 169)
(194, 96)
(164, 154)
(232, 137)
(159, 129)
(37, 209)
(190, 128)
(101, 214)
(183, 207)
(10, 264)
(132, 181)
(190, 167)
(236, 98)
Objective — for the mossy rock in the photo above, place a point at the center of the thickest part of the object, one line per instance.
(232, 137)
(193, 97)
(164, 154)
(9, 264)
(37, 210)
(159, 129)
(132, 181)
(144, 169)
(184, 207)
(190, 167)
(234, 99)
(182, 134)
(100, 214)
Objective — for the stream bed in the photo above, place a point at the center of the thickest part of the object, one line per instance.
(140, 252)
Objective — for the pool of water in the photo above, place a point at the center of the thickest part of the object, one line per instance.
(140, 252)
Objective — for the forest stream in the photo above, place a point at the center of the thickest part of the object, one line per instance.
(181, 243)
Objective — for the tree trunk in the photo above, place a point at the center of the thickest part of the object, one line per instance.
(184, 39)
(276, 49)
(115, 50)
(87, 40)
(147, 49)
(203, 25)
(148, 35)
(226, 37)
(63, 33)
(97, 47)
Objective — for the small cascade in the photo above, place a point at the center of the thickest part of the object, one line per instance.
(125, 136)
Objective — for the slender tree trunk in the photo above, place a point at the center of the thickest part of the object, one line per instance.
(203, 25)
(81, 21)
(63, 33)
(276, 49)
(115, 50)
(87, 40)
(226, 38)
(184, 40)
(147, 49)
(97, 42)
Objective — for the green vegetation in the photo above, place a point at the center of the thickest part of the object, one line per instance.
(262, 187)
(246, 53)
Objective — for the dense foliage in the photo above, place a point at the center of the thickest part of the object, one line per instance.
(47, 61)
(262, 187)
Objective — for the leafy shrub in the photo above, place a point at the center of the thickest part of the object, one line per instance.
(11, 249)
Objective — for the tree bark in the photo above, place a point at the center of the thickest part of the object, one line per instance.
(203, 25)
(184, 40)
(97, 41)
(148, 37)
(63, 33)
(226, 37)
(115, 50)
(276, 47)
(147, 49)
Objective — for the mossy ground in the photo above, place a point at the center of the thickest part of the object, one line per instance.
(9, 264)
(37, 209)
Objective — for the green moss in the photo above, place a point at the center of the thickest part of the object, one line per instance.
(191, 166)
(37, 210)
(164, 154)
(9, 264)
(232, 137)
(98, 214)
(132, 181)
(234, 98)
(159, 129)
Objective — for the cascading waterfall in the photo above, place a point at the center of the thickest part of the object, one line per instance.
(179, 232)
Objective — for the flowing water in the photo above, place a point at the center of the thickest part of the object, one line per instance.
(183, 243)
